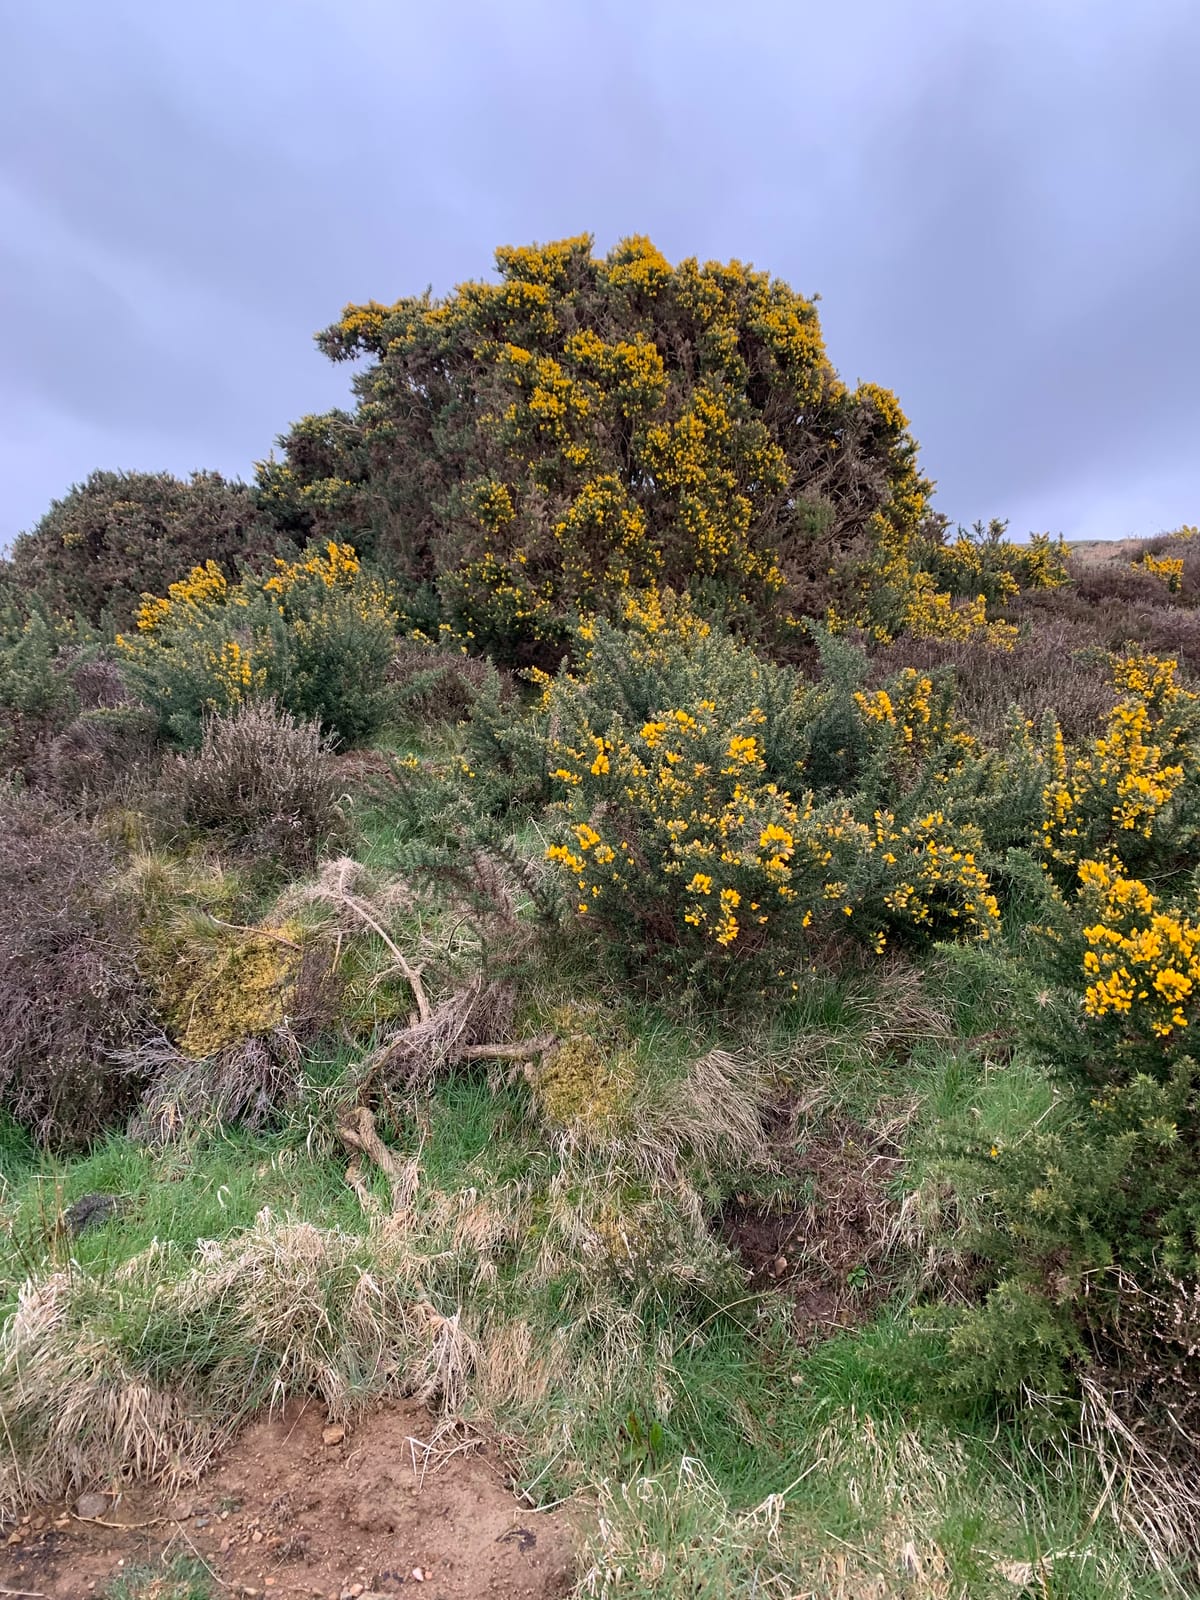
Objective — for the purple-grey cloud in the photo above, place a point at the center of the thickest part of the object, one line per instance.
(997, 205)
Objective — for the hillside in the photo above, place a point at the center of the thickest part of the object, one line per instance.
(595, 1003)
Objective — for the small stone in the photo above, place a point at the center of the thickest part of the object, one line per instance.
(419, 1574)
(91, 1506)
(256, 1536)
(90, 1211)
(333, 1434)
(225, 1543)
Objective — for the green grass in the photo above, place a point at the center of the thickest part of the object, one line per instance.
(181, 1578)
(207, 1189)
(612, 1342)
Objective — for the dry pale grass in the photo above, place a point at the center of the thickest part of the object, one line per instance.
(104, 1379)
(173, 1363)
(674, 1535)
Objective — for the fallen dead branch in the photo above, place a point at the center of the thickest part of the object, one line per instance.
(357, 1130)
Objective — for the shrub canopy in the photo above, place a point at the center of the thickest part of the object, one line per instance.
(537, 446)
(121, 533)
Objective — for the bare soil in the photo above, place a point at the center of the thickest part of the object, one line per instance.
(828, 1251)
(295, 1509)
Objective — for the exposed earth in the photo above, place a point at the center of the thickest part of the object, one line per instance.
(299, 1509)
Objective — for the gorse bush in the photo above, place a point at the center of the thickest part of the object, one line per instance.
(982, 562)
(38, 660)
(717, 808)
(1135, 788)
(531, 449)
(317, 636)
(99, 548)
(1089, 1238)
(1094, 1214)
(262, 779)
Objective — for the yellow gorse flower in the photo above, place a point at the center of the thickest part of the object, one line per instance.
(1142, 959)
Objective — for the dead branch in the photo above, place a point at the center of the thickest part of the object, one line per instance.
(358, 1131)
(525, 1050)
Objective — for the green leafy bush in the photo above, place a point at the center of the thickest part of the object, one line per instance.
(317, 636)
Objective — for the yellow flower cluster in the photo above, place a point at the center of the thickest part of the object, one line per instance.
(910, 710)
(703, 460)
(931, 614)
(683, 814)
(232, 669)
(997, 566)
(203, 586)
(337, 568)
(940, 873)
(1168, 568)
(602, 538)
(1123, 783)
(1142, 960)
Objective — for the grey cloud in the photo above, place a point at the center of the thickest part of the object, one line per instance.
(997, 205)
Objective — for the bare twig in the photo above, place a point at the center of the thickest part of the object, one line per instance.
(411, 974)
(121, 1527)
(261, 933)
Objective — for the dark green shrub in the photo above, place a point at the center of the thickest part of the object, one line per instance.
(120, 534)
(38, 661)
(438, 682)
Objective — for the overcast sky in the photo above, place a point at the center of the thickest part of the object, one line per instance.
(999, 204)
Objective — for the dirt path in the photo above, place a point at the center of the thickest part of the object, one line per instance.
(293, 1510)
